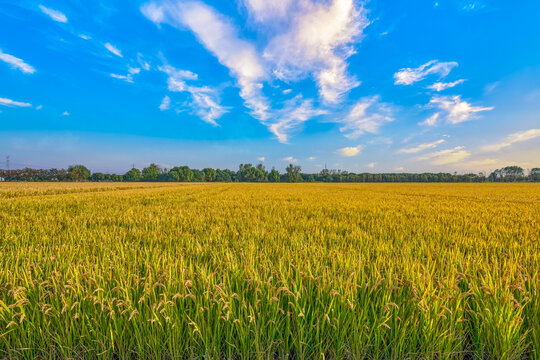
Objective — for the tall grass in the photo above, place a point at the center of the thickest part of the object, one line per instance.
(440, 271)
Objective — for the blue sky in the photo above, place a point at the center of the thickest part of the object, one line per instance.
(378, 86)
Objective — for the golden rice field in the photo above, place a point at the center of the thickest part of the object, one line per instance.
(270, 271)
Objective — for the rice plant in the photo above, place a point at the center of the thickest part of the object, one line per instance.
(266, 271)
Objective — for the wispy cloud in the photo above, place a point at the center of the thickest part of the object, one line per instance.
(318, 41)
(16, 63)
(445, 157)
(371, 165)
(205, 100)
(367, 115)
(12, 103)
(421, 147)
(113, 49)
(350, 151)
(54, 14)
(409, 76)
(128, 78)
(440, 86)
(432, 120)
(263, 10)
(290, 159)
(220, 37)
(294, 113)
(457, 110)
(65, 113)
(165, 104)
(261, 158)
(511, 139)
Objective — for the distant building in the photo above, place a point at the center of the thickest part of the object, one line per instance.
(1, 179)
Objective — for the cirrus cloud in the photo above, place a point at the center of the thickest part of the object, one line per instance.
(408, 76)
(16, 63)
(54, 14)
(511, 139)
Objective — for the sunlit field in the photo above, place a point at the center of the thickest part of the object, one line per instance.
(325, 271)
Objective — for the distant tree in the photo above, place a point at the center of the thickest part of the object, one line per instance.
(133, 175)
(181, 173)
(78, 173)
(198, 175)
(273, 176)
(535, 174)
(173, 175)
(224, 175)
(509, 173)
(151, 173)
(209, 174)
(97, 177)
(293, 173)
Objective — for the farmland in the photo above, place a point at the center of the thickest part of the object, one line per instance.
(160, 270)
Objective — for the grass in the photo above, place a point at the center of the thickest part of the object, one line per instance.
(382, 271)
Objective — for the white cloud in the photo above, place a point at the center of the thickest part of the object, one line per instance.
(54, 14)
(133, 71)
(350, 151)
(165, 104)
(445, 157)
(317, 42)
(421, 147)
(401, 168)
(206, 105)
(113, 49)
(312, 158)
(12, 103)
(432, 120)
(263, 10)
(16, 63)
(512, 139)
(261, 158)
(409, 76)
(440, 86)
(287, 91)
(39, 107)
(290, 159)
(371, 165)
(295, 112)
(127, 78)
(367, 115)
(220, 37)
(144, 64)
(205, 99)
(65, 113)
(457, 110)
(85, 37)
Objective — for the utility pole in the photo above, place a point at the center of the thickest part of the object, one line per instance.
(7, 166)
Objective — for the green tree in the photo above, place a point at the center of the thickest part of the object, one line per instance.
(133, 175)
(151, 172)
(293, 173)
(535, 174)
(181, 173)
(198, 175)
(78, 173)
(97, 177)
(273, 176)
(209, 174)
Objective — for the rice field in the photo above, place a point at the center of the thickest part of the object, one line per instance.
(269, 271)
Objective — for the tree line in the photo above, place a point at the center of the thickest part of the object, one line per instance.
(258, 173)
